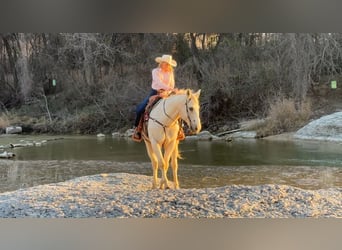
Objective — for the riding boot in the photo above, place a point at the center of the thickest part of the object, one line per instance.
(137, 132)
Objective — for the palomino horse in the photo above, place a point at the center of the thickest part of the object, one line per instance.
(162, 129)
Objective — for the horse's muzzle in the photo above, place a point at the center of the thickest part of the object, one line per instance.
(195, 130)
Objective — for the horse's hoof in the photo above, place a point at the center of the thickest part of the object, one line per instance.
(165, 186)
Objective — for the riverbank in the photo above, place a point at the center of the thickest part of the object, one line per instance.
(127, 195)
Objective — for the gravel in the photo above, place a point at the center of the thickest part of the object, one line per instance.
(124, 195)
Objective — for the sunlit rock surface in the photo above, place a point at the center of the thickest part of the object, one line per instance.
(328, 128)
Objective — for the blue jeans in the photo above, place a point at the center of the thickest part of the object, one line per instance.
(141, 107)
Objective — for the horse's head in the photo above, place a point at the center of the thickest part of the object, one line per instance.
(191, 112)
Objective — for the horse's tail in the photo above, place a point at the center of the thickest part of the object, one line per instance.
(179, 156)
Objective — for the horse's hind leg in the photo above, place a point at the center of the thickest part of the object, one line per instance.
(174, 164)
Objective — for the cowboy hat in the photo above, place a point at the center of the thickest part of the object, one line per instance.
(168, 59)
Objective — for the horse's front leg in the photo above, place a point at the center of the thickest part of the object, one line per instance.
(169, 150)
(164, 182)
(154, 163)
(158, 157)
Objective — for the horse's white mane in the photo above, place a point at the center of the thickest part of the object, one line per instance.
(183, 91)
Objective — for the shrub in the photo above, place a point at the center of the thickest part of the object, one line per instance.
(4, 122)
(285, 116)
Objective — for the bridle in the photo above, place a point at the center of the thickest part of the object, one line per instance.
(187, 110)
(168, 116)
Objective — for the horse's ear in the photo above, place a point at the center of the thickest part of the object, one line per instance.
(197, 94)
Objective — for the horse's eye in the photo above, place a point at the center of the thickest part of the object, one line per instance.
(191, 109)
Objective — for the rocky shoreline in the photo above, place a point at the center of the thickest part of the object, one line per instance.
(124, 195)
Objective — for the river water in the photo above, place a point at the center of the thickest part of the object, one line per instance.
(309, 165)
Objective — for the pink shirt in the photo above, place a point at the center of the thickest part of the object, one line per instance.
(162, 80)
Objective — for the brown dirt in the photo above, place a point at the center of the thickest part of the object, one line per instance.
(325, 100)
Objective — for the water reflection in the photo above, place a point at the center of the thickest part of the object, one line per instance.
(21, 174)
(308, 165)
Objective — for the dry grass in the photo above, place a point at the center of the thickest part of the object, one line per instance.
(12, 119)
(4, 121)
(252, 125)
(285, 116)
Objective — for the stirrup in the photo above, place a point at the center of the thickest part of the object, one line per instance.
(181, 135)
(137, 136)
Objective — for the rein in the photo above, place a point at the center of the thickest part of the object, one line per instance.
(161, 124)
(187, 111)
(165, 110)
